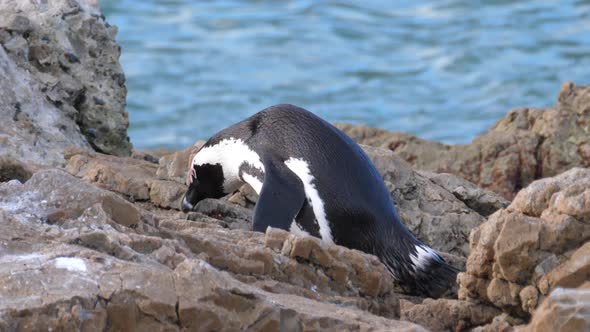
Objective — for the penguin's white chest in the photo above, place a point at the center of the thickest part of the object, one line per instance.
(301, 168)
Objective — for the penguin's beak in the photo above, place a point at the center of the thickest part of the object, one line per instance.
(186, 206)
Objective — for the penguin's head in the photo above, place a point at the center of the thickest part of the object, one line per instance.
(215, 170)
(204, 181)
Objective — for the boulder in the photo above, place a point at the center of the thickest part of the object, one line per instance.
(175, 166)
(541, 241)
(482, 201)
(53, 196)
(128, 176)
(527, 144)
(447, 314)
(564, 310)
(32, 129)
(62, 83)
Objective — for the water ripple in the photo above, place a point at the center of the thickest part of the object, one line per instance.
(443, 70)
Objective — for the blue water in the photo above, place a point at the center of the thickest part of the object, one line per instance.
(442, 70)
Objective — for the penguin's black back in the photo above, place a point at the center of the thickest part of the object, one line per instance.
(356, 201)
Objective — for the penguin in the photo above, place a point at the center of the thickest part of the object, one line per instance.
(314, 180)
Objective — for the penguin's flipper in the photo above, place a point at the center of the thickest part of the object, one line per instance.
(281, 197)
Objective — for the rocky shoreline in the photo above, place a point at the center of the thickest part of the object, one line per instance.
(91, 237)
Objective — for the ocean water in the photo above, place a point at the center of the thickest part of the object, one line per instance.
(443, 70)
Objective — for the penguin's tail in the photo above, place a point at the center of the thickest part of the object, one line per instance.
(434, 277)
(423, 272)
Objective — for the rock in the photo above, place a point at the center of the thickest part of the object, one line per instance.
(445, 314)
(74, 256)
(132, 177)
(217, 302)
(538, 243)
(245, 197)
(563, 310)
(167, 194)
(479, 200)
(53, 195)
(175, 166)
(144, 155)
(224, 210)
(500, 323)
(11, 169)
(527, 144)
(127, 176)
(60, 69)
(32, 130)
(571, 273)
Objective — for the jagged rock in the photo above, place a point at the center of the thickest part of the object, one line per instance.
(53, 195)
(60, 70)
(479, 200)
(175, 166)
(447, 315)
(31, 128)
(217, 302)
(166, 194)
(501, 323)
(564, 310)
(128, 176)
(245, 197)
(125, 270)
(538, 243)
(224, 210)
(132, 177)
(525, 145)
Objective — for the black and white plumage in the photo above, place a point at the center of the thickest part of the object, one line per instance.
(313, 179)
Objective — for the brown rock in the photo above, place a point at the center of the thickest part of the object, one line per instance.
(481, 201)
(536, 244)
(515, 247)
(175, 166)
(504, 294)
(215, 301)
(563, 310)
(500, 323)
(121, 211)
(529, 297)
(56, 193)
(167, 194)
(128, 176)
(246, 197)
(444, 314)
(573, 272)
(125, 278)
